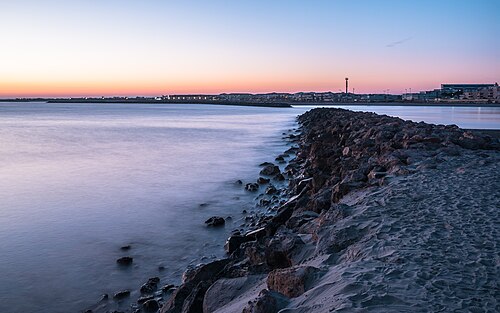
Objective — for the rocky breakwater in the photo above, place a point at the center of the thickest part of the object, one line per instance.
(372, 221)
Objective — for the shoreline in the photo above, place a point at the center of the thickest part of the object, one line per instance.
(352, 177)
(285, 104)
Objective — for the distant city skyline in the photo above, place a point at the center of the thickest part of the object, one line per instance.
(128, 48)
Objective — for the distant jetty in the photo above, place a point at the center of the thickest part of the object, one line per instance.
(152, 100)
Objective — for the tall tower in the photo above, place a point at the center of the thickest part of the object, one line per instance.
(346, 85)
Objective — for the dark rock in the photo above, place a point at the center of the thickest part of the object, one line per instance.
(195, 281)
(234, 242)
(151, 285)
(239, 182)
(270, 170)
(126, 260)
(104, 297)
(262, 180)
(265, 164)
(151, 305)
(280, 159)
(264, 202)
(121, 294)
(271, 190)
(279, 177)
(161, 268)
(215, 221)
(252, 187)
(125, 248)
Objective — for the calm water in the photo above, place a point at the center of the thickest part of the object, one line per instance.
(78, 181)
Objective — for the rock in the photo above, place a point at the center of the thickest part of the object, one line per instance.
(234, 242)
(263, 180)
(292, 282)
(270, 170)
(161, 268)
(256, 234)
(252, 187)
(151, 305)
(265, 164)
(298, 219)
(126, 260)
(238, 182)
(151, 285)
(280, 249)
(264, 202)
(125, 248)
(279, 177)
(270, 190)
(215, 221)
(268, 301)
(121, 294)
(224, 290)
(204, 271)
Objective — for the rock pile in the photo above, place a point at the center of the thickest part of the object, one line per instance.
(339, 152)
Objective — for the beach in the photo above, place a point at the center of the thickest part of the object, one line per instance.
(381, 215)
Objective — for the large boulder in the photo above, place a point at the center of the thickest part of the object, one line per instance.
(195, 281)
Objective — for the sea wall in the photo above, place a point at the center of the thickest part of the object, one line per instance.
(346, 238)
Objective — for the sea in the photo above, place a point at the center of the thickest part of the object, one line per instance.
(80, 181)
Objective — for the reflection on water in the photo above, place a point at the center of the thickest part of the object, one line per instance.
(80, 180)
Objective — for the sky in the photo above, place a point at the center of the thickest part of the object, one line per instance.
(127, 47)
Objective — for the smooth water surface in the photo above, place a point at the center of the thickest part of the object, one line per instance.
(78, 181)
(464, 117)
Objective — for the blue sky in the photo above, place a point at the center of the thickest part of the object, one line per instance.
(156, 47)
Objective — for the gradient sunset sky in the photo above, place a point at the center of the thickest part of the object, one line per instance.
(125, 47)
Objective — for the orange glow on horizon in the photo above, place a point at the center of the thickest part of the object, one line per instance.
(98, 89)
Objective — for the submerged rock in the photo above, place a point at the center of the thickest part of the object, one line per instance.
(215, 221)
(270, 170)
(121, 294)
(126, 260)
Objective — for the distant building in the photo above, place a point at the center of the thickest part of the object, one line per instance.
(461, 88)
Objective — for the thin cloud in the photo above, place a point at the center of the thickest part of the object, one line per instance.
(399, 42)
